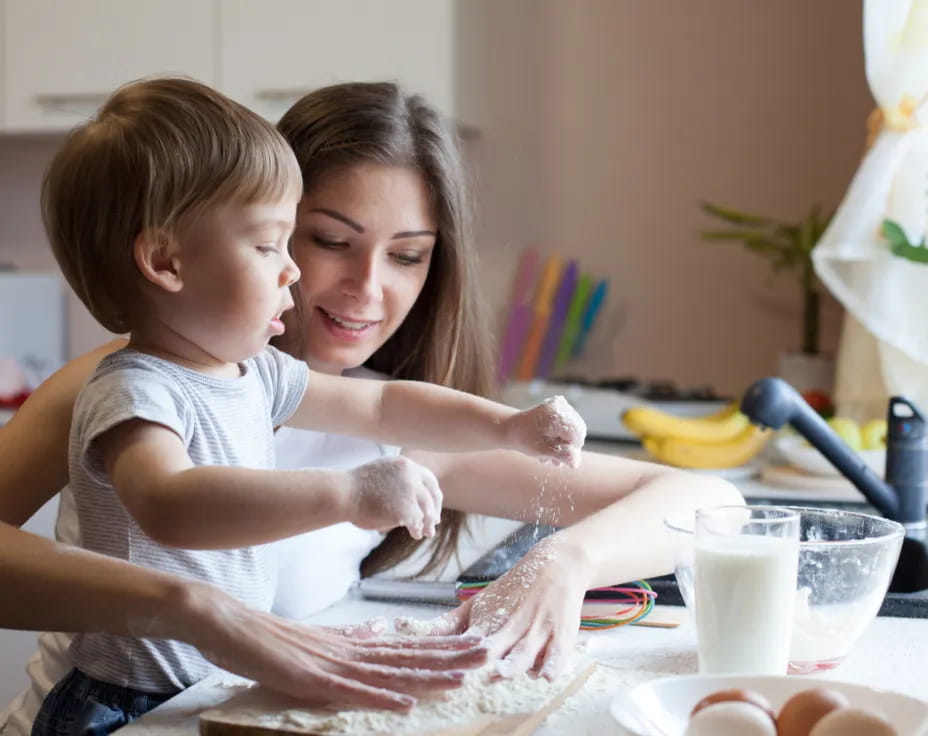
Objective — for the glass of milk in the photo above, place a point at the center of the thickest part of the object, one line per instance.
(746, 561)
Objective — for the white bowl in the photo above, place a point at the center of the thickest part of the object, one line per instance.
(667, 702)
(800, 454)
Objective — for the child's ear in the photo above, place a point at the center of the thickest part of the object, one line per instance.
(156, 255)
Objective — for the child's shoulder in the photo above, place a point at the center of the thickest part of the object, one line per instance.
(275, 363)
(128, 360)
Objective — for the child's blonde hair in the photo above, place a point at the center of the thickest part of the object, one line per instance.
(158, 153)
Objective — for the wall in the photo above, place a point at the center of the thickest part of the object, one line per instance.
(22, 240)
(603, 123)
(607, 121)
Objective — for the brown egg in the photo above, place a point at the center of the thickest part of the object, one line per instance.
(806, 708)
(853, 722)
(731, 718)
(736, 694)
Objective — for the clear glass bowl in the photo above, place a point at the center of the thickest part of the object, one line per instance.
(846, 562)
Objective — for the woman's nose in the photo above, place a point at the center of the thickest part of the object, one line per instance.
(364, 280)
(290, 273)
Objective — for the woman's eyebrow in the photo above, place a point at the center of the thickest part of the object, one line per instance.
(358, 228)
(414, 234)
(340, 217)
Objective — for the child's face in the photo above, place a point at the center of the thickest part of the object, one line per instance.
(235, 272)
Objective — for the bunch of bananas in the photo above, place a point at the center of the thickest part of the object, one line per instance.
(725, 439)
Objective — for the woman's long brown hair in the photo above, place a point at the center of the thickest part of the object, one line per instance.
(445, 338)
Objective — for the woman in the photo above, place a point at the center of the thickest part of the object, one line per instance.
(389, 283)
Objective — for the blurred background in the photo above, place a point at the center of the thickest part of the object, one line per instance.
(593, 130)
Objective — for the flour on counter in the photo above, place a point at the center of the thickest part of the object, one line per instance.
(476, 699)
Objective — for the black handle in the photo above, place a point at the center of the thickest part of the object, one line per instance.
(907, 458)
(772, 402)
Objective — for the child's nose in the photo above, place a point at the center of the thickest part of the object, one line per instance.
(290, 273)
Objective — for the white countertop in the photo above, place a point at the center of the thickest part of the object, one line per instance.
(890, 655)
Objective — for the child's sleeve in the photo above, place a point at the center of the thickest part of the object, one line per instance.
(284, 379)
(118, 396)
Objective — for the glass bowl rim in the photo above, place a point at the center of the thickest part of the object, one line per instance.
(893, 530)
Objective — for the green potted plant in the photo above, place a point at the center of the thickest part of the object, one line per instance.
(788, 246)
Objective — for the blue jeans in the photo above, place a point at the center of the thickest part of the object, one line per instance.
(79, 705)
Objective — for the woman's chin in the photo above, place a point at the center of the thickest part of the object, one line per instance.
(336, 360)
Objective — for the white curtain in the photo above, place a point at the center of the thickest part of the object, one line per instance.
(884, 344)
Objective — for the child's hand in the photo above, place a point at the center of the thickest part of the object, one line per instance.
(394, 492)
(552, 430)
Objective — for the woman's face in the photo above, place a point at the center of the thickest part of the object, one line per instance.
(363, 242)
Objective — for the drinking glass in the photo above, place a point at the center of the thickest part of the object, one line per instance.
(746, 560)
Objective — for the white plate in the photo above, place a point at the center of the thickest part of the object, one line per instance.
(666, 703)
(800, 454)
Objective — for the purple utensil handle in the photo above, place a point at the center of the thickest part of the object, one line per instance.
(520, 319)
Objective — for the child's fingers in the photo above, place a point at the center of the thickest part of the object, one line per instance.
(431, 503)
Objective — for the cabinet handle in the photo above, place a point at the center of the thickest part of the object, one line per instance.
(280, 95)
(71, 101)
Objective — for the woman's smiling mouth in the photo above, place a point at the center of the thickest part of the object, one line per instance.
(353, 325)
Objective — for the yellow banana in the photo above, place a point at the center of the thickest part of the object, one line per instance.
(707, 455)
(724, 425)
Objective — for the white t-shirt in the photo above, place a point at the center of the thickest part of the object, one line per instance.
(303, 586)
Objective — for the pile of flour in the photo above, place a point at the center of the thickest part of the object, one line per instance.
(476, 699)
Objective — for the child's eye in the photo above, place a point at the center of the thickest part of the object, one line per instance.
(266, 249)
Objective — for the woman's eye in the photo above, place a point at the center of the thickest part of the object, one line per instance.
(326, 243)
(408, 259)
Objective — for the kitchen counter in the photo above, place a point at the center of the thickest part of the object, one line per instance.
(889, 655)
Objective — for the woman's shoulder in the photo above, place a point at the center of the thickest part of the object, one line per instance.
(363, 372)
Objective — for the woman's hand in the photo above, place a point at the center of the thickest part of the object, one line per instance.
(396, 491)
(552, 430)
(530, 615)
(341, 667)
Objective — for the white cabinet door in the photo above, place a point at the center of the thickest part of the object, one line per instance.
(63, 57)
(273, 52)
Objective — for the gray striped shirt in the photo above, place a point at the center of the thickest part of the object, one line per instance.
(221, 422)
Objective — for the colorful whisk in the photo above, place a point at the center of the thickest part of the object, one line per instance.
(636, 600)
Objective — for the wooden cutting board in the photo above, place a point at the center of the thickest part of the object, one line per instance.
(240, 716)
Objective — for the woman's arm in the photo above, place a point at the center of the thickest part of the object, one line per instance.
(50, 586)
(34, 443)
(605, 500)
(612, 509)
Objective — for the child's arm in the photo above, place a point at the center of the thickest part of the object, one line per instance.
(430, 417)
(213, 507)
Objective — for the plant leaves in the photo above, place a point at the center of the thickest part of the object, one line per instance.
(900, 246)
(729, 234)
(735, 217)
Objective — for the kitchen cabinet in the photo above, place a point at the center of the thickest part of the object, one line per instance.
(272, 53)
(62, 58)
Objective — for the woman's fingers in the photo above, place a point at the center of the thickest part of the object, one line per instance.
(455, 641)
(337, 691)
(455, 621)
(553, 660)
(365, 630)
(430, 660)
(402, 679)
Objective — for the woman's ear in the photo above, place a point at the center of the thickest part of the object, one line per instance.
(156, 255)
